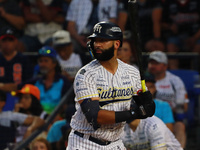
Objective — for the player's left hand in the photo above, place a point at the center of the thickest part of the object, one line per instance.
(145, 100)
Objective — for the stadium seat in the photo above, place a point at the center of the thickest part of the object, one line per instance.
(192, 85)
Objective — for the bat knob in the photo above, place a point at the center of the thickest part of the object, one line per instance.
(139, 92)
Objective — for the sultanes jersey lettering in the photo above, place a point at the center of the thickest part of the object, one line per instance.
(93, 80)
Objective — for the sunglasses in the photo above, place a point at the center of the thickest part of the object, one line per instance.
(45, 51)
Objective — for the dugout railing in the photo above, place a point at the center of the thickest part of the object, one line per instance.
(190, 60)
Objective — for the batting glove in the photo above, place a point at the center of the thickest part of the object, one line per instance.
(145, 103)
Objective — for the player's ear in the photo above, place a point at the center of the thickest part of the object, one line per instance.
(116, 44)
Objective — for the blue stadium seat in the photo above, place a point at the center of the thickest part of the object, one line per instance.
(190, 78)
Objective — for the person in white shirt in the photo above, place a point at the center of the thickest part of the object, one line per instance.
(149, 134)
(170, 88)
(82, 15)
(69, 61)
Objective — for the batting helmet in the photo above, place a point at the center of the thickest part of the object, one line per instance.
(107, 30)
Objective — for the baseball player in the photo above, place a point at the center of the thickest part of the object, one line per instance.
(149, 134)
(104, 89)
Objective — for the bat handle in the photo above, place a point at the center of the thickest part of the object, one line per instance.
(143, 86)
(143, 90)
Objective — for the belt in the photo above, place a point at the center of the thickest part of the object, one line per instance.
(93, 139)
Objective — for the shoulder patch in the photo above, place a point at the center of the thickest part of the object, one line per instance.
(82, 71)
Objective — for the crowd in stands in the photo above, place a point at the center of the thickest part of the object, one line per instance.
(57, 30)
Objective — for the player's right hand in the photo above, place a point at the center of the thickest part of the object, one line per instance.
(136, 112)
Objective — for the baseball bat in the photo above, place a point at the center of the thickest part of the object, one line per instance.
(133, 15)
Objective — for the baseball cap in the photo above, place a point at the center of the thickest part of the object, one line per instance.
(47, 51)
(158, 56)
(29, 89)
(61, 38)
(7, 32)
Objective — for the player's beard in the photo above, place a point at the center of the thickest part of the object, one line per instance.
(106, 54)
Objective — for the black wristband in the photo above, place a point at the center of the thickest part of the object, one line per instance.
(121, 116)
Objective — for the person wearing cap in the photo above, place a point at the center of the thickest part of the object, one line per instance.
(29, 103)
(8, 121)
(14, 66)
(70, 62)
(11, 16)
(51, 83)
(170, 88)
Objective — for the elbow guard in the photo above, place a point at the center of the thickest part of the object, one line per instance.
(90, 109)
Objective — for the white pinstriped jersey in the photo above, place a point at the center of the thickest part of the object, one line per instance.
(150, 134)
(172, 90)
(115, 92)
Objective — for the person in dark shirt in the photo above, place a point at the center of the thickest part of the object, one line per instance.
(14, 66)
(181, 27)
(11, 16)
(149, 16)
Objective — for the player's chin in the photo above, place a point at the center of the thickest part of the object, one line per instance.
(98, 51)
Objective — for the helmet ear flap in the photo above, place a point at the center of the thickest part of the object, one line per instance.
(90, 47)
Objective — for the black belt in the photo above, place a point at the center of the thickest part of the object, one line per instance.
(93, 139)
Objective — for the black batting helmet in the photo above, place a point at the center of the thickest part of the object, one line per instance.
(107, 30)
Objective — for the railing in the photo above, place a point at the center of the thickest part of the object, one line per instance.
(192, 57)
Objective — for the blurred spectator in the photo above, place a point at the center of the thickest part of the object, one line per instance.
(149, 133)
(163, 109)
(149, 15)
(65, 7)
(181, 26)
(59, 131)
(9, 121)
(29, 103)
(51, 83)
(43, 19)
(84, 14)
(126, 52)
(40, 144)
(11, 16)
(170, 88)
(14, 66)
(70, 62)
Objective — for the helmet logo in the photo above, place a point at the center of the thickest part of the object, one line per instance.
(97, 28)
(115, 29)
